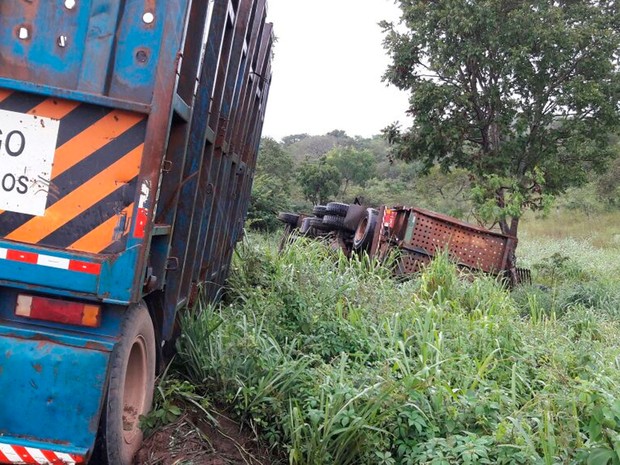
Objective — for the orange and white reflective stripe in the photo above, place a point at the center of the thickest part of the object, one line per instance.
(50, 261)
(29, 455)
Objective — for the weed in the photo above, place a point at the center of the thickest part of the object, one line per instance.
(332, 361)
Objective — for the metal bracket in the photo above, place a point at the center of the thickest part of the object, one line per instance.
(172, 264)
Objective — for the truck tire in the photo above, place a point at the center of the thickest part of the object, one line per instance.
(130, 390)
(319, 210)
(317, 223)
(337, 208)
(288, 218)
(305, 227)
(365, 231)
(334, 222)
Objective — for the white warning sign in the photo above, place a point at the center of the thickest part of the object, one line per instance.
(27, 146)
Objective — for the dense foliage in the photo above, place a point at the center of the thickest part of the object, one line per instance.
(332, 361)
(522, 94)
(303, 170)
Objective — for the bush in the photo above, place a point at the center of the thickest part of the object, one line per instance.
(332, 361)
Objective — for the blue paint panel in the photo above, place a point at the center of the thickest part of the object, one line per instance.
(117, 276)
(39, 56)
(34, 88)
(46, 276)
(60, 386)
(138, 49)
(114, 284)
(98, 44)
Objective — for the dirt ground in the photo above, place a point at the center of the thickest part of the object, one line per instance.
(191, 441)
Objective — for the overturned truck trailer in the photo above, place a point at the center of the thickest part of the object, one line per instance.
(418, 235)
(128, 138)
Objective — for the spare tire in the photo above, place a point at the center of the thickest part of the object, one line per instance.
(362, 239)
(337, 208)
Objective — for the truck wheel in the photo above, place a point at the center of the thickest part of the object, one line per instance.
(130, 392)
(333, 221)
(365, 231)
(337, 208)
(319, 211)
(317, 223)
(305, 226)
(288, 218)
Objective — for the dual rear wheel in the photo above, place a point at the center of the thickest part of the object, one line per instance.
(130, 390)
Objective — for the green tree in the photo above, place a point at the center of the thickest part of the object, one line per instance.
(276, 162)
(267, 200)
(272, 186)
(522, 94)
(355, 166)
(608, 184)
(294, 138)
(319, 181)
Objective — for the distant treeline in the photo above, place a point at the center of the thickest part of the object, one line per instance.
(303, 170)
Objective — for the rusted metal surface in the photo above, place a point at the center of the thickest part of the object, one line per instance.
(74, 46)
(418, 235)
(421, 234)
(160, 106)
(207, 209)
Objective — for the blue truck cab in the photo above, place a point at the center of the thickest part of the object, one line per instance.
(129, 131)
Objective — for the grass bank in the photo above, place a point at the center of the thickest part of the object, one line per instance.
(332, 361)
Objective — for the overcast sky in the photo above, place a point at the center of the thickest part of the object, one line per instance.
(327, 68)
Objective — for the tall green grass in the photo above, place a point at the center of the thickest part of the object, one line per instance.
(601, 230)
(332, 361)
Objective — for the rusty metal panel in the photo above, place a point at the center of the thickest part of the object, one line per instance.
(55, 374)
(204, 157)
(420, 234)
(175, 93)
(101, 186)
(470, 246)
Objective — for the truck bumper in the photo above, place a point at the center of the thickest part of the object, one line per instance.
(13, 450)
(53, 386)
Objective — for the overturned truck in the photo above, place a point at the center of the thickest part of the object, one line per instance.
(415, 233)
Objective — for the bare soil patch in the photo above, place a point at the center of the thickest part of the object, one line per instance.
(192, 441)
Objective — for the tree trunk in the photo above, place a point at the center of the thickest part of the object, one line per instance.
(509, 226)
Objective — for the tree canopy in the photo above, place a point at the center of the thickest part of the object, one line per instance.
(272, 185)
(355, 166)
(319, 181)
(521, 93)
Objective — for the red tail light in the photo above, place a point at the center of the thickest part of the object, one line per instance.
(58, 311)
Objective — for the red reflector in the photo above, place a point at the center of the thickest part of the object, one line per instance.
(58, 311)
(84, 267)
(141, 219)
(19, 256)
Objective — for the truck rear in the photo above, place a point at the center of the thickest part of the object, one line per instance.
(128, 139)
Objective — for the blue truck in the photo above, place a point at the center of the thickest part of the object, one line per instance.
(129, 132)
